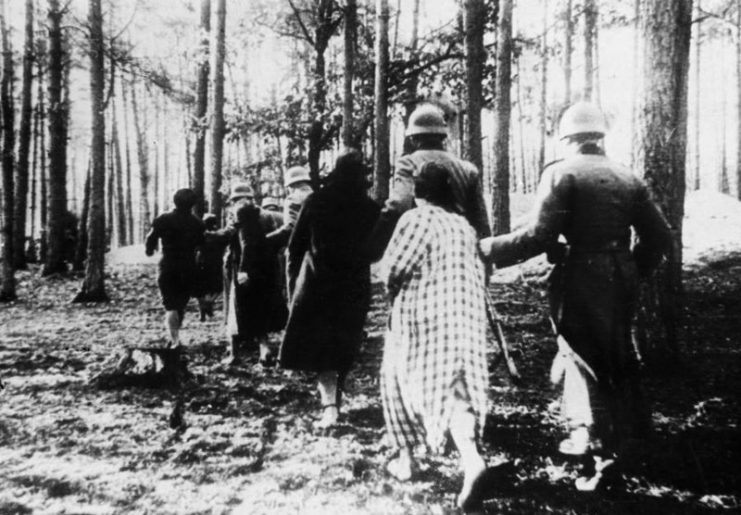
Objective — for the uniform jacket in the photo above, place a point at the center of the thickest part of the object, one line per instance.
(467, 192)
(279, 237)
(593, 203)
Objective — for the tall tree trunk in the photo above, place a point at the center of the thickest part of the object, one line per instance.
(24, 145)
(410, 94)
(590, 21)
(543, 89)
(199, 154)
(93, 285)
(475, 16)
(738, 99)
(129, 205)
(166, 179)
(502, 107)
(666, 27)
(58, 112)
(43, 175)
(351, 22)
(142, 153)
(381, 156)
(698, 92)
(7, 115)
(521, 134)
(33, 211)
(110, 192)
(634, 144)
(723, 185)
(156, 172)
(568, 50)
(217, 120)
(78, 263)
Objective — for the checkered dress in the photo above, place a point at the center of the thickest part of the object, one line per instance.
(435, 350)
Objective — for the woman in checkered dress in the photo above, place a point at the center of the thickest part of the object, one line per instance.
(434, 373)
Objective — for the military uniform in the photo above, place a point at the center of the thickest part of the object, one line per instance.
(593, 203)
(466, 190)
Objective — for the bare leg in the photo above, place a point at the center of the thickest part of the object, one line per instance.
(327, 383)
(463, 432)
(172, 322)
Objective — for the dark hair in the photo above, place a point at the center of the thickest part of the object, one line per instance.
(184, 198)
(433, 184)
(349, 173)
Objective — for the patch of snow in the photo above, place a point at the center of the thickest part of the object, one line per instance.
(712, 224)
(131, 255)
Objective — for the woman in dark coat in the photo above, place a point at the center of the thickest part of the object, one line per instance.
(329, 280)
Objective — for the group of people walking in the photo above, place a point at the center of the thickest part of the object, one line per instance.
(433, 239)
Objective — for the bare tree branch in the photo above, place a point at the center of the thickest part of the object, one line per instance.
(301, 25)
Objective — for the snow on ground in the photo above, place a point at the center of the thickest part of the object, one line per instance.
(712, 225)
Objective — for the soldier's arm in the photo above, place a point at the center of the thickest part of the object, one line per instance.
(279, 237)
(479, 218)
(401, 199)
(298, 244)
(653, 231)
(547, 222)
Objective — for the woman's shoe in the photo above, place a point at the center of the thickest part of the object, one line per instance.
(577, 444)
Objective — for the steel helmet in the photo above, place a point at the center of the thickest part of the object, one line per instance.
(427, 119)
(296, 174)
(241, 190)
(580, 118)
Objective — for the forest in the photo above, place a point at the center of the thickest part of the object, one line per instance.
(107, 107)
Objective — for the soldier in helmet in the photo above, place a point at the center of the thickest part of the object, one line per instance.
(298, 186)
(181, 233)
(426, 133)
(592, 203)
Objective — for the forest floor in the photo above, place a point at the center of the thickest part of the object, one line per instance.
(250, 446)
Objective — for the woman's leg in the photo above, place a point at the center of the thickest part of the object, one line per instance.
(463, 433)
(327, 383)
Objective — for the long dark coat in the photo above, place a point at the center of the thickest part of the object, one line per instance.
(329, 281)
(259, 304)
(593, 203)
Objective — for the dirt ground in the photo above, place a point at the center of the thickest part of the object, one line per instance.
(249, 445)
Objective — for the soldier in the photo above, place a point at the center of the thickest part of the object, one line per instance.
(298, 187)
(427, 132)
(592, 202)
(181, 233)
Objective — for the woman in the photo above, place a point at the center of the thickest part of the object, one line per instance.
(329, 281)
(434, 372)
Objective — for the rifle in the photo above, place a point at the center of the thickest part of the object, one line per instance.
(496, 327)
